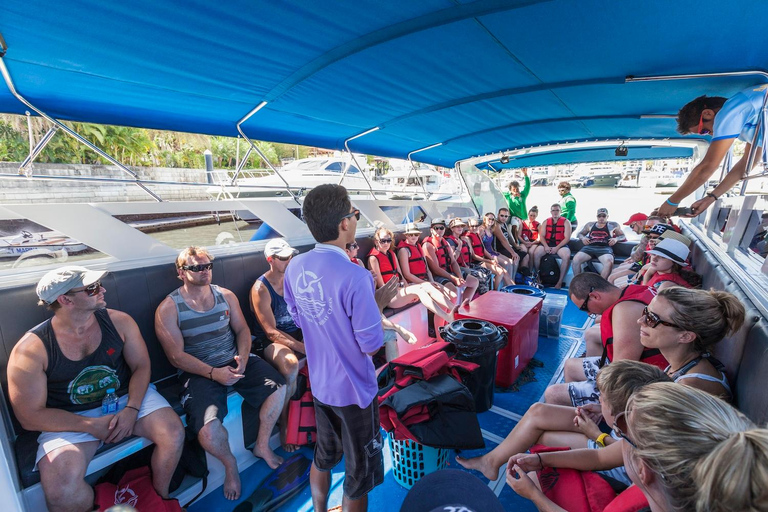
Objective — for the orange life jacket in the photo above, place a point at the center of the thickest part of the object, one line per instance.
(464, 257)
(477, 244)
(443, 252)
(554, 234)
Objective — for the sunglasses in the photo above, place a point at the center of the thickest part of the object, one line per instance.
(197, 268)
(283, 258)
(620, 427)
(385, 241)
(585, 305)
(438, 228)
(353, 245)
(653, 237)
(701, 130)
(503, 216)
(602, 216)
(90, 290)
(354, 213)
(412, 234)
(651, 319)
(490, 219)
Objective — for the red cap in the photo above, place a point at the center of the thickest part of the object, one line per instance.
(637, 217)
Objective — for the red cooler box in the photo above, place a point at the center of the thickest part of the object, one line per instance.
(520, 315)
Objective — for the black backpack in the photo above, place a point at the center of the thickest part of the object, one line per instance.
(549, 270)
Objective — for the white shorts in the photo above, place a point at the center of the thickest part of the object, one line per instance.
(49, 441)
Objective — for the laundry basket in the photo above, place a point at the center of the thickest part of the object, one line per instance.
(411, 461)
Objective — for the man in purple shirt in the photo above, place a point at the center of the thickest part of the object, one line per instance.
(332, 301)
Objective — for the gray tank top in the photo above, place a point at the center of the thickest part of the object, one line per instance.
(207, 335)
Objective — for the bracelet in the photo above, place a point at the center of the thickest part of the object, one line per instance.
(131, 407)
(210, 374)
(712, 195)
(601, 439)
(670, 203)
(540, 462)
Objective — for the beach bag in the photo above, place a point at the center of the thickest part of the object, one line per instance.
(549, 270)
(135, 490)
(302, 429)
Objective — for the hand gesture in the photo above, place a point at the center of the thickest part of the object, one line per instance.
(520, 482)
(592, 411)
(525, 171)
(525, 461)
(241, 362)
(226, 376)
(121, 425)
(585, 424)
(386, 293)
(699, 206)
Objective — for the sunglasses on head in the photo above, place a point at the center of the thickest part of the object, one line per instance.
(198, 268)
(90, 290)
(354, 213)
(701, 130)
(651, 319)
(620, 427)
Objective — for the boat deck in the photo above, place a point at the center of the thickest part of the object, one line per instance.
(496, 423)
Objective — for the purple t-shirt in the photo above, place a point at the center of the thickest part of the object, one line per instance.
(331, 299)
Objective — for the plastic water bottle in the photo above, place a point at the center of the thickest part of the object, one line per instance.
(109, 403)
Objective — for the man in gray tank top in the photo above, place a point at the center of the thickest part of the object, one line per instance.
(58, 374)
(277, 336)
(205, 335)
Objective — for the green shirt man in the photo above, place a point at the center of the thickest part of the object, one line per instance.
(516, 198)
(567, 202)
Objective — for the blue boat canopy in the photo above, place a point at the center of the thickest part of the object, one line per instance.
(477, 77)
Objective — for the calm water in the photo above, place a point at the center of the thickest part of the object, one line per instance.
(620, 202)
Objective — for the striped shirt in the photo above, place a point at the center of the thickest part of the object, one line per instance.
(207, 335)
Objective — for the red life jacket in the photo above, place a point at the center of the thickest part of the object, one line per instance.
(387, 263)
(530, 234)
(463, 259)
(554, 234)
(356, 261)
(443, 253)
(636, 293)
(477, 244)
(669, 276)
(301, 428)
(631, 500)
(416, 262)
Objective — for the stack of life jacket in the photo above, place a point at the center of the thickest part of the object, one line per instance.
(302, 429)
(422, 399)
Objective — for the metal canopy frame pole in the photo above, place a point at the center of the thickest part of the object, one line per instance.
(9, 82)
(755, 139)
(34, 151)
(758, 72)
(413, 167)
(346, 165)
(261, 154)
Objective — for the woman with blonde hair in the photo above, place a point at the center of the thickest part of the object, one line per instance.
(383, 263)
(685, 450)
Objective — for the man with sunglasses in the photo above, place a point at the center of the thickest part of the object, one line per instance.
(726, 121)
(598, 238)
(332, 300)
(61, 370)
(619, 334)
(205, 335)
(277, 339)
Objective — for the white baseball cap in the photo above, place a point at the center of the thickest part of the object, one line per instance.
(60, 281)
(279, 247)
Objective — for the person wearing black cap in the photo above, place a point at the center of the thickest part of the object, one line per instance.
(451, 490)
(598, 238)
(61, 370)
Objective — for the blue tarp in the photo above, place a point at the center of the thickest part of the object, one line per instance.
(480, 76)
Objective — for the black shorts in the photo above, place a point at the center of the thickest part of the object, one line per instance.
(200, 393)
(597, 251)
(355, 434)
(259, 344)
(442, 280)
(636, 267)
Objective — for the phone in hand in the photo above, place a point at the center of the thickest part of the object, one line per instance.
(683, 210)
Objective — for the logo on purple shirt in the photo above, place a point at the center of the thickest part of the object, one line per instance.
(310, 298)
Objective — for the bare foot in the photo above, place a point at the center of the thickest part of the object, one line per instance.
(480, 464)
(290, 448)
(271, 458)
(231, 482)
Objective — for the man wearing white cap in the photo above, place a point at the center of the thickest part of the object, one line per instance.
(205, 335)
(277, 338)
(60, 371)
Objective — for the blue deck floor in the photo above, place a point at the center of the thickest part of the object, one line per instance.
(495, 423)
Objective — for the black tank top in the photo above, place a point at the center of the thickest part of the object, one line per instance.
(599, 236)
(81, 385)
